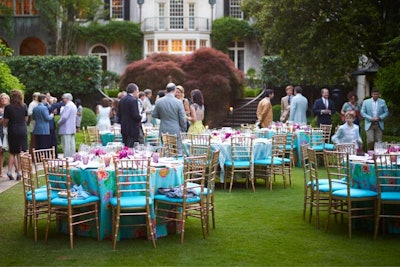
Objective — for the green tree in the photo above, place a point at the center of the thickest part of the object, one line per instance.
(8, 81)
(61, 17)
(321, 41)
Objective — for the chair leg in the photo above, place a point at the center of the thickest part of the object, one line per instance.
(377, 219)
(71, 230)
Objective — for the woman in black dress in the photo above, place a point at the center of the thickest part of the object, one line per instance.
(15, 118)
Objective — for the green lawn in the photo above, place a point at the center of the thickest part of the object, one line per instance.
(261, 228)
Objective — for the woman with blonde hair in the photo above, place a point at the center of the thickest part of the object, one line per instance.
(15, 118)
(196, 112)
(180, 94)
(4, 101)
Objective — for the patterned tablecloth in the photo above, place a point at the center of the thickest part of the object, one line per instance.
(101, 182)
(261, 149)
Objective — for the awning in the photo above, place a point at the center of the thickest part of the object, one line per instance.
(372, 68)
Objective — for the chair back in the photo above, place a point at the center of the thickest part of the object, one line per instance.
(117, 133)
(327, 130)
(132, 178)
(212, 171)
(313, 167)
(387, 168)
(37, 157)
(58, 178)
(194, 176)
(279, 145)
(200, 145)
(337, 167)
(92, 134)
(170, 145)
(241, 147)
(317, 139)
(152, 137)
(349, 148)
(27, 175)
(305, 162)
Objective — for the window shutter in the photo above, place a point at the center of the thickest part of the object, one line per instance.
(107, 7)
(127, 9)
(226, 8)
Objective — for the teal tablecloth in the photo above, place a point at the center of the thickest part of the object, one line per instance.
(101, 182)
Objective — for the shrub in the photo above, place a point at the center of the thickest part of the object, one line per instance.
(8, 81)
(206, 69)
(276, 111)
(75, 74)
(252, 92)
(113, 93)
(89, 118)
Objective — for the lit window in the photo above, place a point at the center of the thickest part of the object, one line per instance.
(176, 14)
(162, 45)
(190, 45)
(176, 46)
(101, 52)
(150, 46)
(203, 43)
(236, 54)
(234, 9)
(117, 9)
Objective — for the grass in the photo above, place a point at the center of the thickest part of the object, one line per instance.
(252, 229)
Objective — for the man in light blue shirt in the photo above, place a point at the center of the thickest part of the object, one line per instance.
(374, 111)
(298, 107)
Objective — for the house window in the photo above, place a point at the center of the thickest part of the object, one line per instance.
(203, 43)
(190, 45)
(176, 46)
(176, 14)
(234, 9)
(21, 7)
(236, 54)
(101, 51)
(161, 15)
(162, 46)
(191, 17)
(150, 46)
(117, 9)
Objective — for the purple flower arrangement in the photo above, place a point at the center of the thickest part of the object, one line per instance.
(125, 152)
(97, 152)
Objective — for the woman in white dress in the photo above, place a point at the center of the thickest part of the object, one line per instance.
(104, 113)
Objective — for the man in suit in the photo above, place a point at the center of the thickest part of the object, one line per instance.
(42, 118)
(129, 117)
(171, 113)
(298, 107)
(264, 109)
(285, 103)
(324, 108)
(67, 125)
(374, 111)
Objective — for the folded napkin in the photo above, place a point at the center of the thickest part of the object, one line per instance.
(177, 192)
(77, 192)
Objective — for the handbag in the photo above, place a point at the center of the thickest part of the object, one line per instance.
(5, 139)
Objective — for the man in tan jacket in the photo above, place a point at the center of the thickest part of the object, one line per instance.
(264, 109)
(285, 103)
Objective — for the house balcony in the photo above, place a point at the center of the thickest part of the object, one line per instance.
(176, 24)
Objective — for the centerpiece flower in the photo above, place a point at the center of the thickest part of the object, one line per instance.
(97, 152)
(125, 152)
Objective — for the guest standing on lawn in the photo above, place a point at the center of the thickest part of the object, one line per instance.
(374, 111)
(324, 108)
(15, 119)
(285, 103)
(42, 123)
(348, 132)
(171, 113)
(264, 109)
(67, 125)
(4, 101)
(298, 107)
(128, 115)
(196, 112)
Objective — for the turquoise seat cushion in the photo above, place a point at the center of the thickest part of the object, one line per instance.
(239, 164)
(335, 187)
(37, 190)
(62, 201)
(40, 196)
(318, 147)
(394, 196)
(329, 146)
(354, 193)
(268, 161)
(164, 198)
(131, 201)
